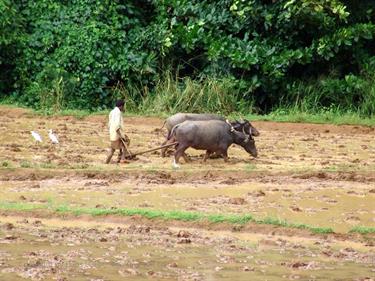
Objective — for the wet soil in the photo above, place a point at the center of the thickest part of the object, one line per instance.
(320, 175)
(321, 203)
(52, 249)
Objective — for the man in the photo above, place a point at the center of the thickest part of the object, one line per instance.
(116, 133)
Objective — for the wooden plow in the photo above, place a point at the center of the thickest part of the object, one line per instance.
(133, 155)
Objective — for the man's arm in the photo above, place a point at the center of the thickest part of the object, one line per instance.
(118, 125)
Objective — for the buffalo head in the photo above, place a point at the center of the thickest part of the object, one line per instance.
(246, 141)
(246, 126)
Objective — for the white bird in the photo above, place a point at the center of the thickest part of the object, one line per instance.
(52, 137)
(36, 136)
(174, 164)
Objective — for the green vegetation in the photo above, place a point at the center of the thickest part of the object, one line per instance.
(26, 164)
(6, 164)
(284, 223)
(20, 206)
(362, 230)
(298, 60)
(166, 215)
(333, 116)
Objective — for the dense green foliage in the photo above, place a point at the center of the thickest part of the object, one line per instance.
(223, 55)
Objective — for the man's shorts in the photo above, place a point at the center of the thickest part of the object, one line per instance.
(118, 143)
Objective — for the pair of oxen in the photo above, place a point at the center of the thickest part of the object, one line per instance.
(209, 132)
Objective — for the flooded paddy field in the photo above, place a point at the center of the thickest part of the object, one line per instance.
(52, 249)
(321, 176)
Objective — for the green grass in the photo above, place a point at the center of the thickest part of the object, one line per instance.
(48, 166)
(235, 219)
(281, 114)
(20, 206)
(284, 223)
(167, 215)
(26, 164)
(6, 164)
(362, 230)
(317, 117)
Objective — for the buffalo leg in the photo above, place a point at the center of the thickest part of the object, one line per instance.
(163, 150)
(207, 155)
(186, 158)
(180, 151)
(225, 155)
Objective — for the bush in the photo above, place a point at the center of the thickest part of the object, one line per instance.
(227, 55)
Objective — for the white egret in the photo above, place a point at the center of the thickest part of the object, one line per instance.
(175, 165)
(52, 137)
(36, 136)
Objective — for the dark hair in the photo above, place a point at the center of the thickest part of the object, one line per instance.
(120, 103)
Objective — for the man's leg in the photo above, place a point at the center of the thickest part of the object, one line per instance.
(120, 152)
(109, 156)
(126, 149)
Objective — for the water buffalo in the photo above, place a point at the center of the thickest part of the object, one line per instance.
(181, 117)
(212, 136)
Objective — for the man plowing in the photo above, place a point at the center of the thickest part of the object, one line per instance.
(119, 140)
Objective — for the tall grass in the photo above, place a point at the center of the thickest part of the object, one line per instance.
(350, 100)
(174, 94)
(351, 94)
(332, 115)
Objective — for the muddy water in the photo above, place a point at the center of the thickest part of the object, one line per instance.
(61, 250)
(321, 203)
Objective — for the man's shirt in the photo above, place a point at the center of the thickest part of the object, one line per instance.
(115, 123)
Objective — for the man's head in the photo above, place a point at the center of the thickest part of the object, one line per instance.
(120, 104)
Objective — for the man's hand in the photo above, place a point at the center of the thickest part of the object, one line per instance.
(121, 134)
(126, 139)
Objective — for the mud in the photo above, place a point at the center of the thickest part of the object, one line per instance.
(282, 147)
(73, 250)
(319, 175)
(321, 203)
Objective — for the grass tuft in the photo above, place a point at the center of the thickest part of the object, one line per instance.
(6, 164)
(26, 164)
(362, 230)
(284, 223)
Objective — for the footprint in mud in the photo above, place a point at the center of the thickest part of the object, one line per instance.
(237, 201)
(145, 205)
(295, 208)
(257, 193)
(128, 272)
(351, 218)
